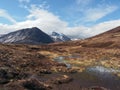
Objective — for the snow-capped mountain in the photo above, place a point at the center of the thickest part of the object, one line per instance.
(1, 35)
(27, 36)
(59, 37)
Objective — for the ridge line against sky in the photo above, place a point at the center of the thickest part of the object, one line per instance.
(76, 18)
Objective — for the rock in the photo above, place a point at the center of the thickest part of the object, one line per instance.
(4, 81)
(72, 71)
(6, 73)
(3, 73)
(34, 84)
(63, 79)
(23, 75)
(13, 86)
(45, 71)
(97, 88)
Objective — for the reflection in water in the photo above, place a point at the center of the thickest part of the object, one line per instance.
(99, 71)
(94, 75)
(102, 69)
(61, 59)
(103, 72)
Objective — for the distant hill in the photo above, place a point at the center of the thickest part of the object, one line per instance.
(59, 37)
(109, 39)
(27, 36)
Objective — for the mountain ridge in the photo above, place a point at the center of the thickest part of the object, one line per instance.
(59, 37)
(108, 39)
(27, 36)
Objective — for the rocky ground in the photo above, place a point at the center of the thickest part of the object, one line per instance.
(31, 67)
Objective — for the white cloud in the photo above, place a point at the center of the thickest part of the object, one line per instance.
(22, 1)
(4, 14)
(83, 2)
(90, 11)
(84, 32)
(77, 32)
(40, 18)
(46, 20)
(104, 26)
(49, 22)
(94, 14)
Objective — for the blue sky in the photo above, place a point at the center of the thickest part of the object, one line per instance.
(79, 18)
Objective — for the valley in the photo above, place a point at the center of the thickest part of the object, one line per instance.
(60, 45)
(90, 64)
(85, 67)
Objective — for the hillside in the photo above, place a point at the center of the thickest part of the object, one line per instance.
(88, 64)
(27, 36)
(110, 39)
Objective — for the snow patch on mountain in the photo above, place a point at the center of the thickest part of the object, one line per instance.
(59, 37)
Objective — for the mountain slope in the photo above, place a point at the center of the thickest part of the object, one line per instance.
(59, 37)
(110, 38)
(27, 36)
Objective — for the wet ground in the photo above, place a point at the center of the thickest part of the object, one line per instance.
(91, 76)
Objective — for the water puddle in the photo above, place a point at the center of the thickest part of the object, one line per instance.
(103, 72)
(61, 59)
(94, 75)
(99, 71)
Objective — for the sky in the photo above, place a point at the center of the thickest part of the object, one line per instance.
(76, 18)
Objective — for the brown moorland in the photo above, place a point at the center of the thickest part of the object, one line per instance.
(33, 67)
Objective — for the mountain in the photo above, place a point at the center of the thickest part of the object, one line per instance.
(59, 37)
(1, 35)
(109, 39)
(27, 36)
